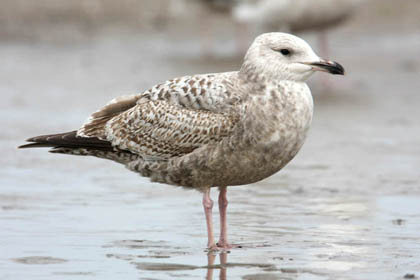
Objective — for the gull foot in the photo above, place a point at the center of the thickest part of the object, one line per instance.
(227, 246)
(220, 247)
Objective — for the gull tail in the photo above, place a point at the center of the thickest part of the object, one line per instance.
(71, 144)
(68, 140)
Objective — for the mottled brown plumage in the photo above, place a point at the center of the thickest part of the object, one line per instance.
(210, 130)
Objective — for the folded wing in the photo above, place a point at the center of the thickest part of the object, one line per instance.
(169, 120)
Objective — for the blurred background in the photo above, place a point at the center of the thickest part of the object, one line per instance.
(347, 207)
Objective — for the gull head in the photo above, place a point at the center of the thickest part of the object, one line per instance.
(284, 56)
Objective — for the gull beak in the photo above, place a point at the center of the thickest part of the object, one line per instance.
(328, 66)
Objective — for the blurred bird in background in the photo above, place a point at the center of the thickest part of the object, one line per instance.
(296, 16)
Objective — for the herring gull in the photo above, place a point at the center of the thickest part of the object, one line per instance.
(209, 130)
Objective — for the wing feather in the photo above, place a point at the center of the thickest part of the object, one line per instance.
(158, 129)
(95, 124)
(170, 119)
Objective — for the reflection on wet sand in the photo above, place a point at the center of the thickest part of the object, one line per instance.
(210, 265)
(149, 250)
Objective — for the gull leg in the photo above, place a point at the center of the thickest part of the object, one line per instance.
(208, 206)
(223, 203)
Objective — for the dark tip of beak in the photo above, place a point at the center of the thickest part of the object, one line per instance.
(331, 67)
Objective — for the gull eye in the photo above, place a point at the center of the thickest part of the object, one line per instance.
(285, 52)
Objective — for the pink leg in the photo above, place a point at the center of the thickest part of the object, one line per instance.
(208, 206)
(223, 203)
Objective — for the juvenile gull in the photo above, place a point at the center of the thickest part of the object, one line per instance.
(209, 130)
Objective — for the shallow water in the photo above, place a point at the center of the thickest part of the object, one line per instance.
(348, 206)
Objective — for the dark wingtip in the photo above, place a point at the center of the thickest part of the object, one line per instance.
(32, 139)
(33, 145)
(36, 142)
(43, 141)
(67, 139)
(28, 145)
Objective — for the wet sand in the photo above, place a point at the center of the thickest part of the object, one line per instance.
(347, 207)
